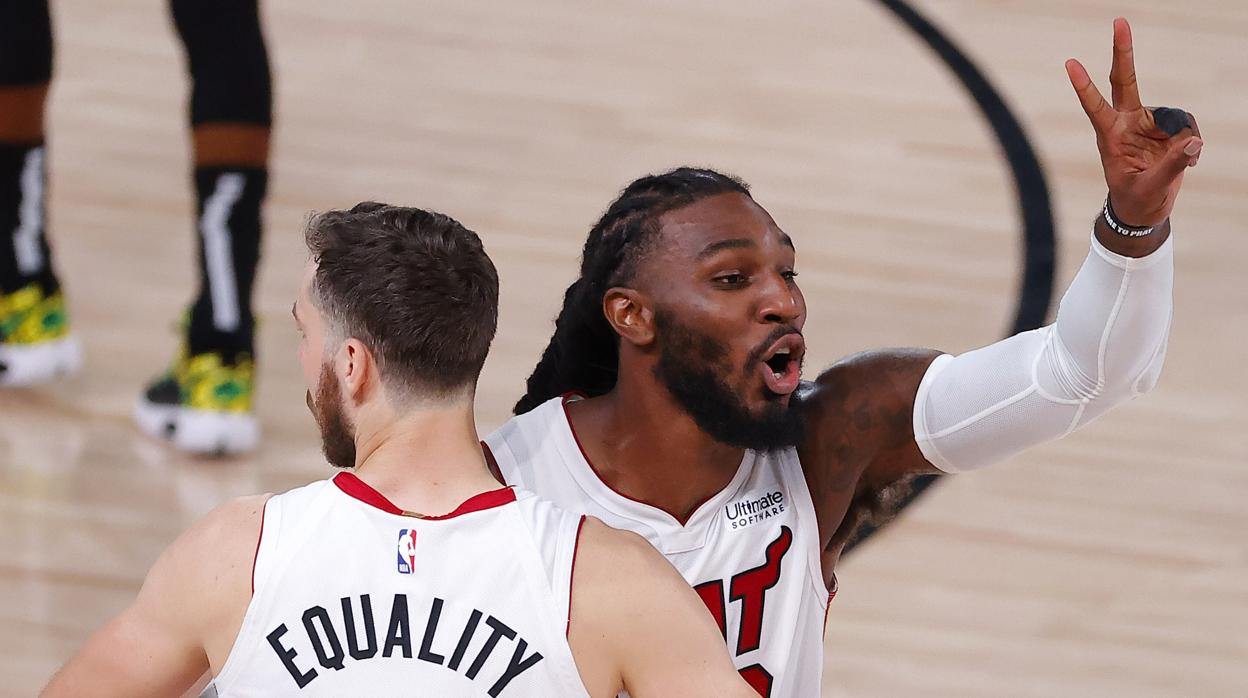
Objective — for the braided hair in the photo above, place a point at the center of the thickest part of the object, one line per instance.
(583, 354)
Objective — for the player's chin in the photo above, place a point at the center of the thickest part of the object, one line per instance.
(772, 400)
(767, 399)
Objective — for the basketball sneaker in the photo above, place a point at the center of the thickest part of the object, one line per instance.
(35, 343)
(203, 405)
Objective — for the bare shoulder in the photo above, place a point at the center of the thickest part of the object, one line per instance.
(210, 562)
(604, 554)
(859, 428)
(638, 626)
(609, 567)
(883, 373)
(229, 531)
(238, 516)
(630, 584)
(184, 617)
(864, 401)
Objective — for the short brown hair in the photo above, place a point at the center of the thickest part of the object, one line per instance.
(415, 286)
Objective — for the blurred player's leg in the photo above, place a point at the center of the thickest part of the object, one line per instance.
(204, 402)
(35, 344)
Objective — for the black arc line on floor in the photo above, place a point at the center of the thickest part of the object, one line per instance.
(1039, 247)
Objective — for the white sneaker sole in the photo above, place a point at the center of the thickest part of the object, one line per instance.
(201, 432)
(28, 364)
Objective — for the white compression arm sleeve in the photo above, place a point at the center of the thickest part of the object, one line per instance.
(1106, 346)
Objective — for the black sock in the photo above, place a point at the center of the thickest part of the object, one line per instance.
(24, 253)
(228, 222)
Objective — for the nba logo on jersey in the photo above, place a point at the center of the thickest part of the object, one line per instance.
(407, 550)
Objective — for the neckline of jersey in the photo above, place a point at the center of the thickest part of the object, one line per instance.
(733, 484)
(354, 487)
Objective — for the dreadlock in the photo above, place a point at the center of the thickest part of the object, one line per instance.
(583, 354)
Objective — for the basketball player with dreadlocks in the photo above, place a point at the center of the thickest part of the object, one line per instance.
(203, 403)
(669, 401)
(340, 588)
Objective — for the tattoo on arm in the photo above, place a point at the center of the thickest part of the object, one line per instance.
(861, 442)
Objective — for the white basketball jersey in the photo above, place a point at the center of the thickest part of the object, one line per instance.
(751, 551)
(352, 597)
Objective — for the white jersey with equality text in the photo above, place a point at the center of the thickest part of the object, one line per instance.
(751, 551)
(354, 597)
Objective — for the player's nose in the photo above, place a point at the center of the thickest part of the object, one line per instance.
(781, 302)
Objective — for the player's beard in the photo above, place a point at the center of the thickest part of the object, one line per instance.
(693, 367)
(337, 436)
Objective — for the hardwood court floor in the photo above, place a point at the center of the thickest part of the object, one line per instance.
(1114, 563)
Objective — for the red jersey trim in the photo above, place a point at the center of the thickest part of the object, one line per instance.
(828, 608)
(572, 574)
(492, 463)
(255, 558)
(576, 437)
(354, 487)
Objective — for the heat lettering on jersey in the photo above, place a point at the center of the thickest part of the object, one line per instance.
(327, 642)
(712, 594)
(759, 679)
(750, 589)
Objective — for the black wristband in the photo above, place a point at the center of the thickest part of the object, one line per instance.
(1122, 228)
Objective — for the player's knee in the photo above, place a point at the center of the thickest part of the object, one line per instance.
(25, 43)
(228, 62)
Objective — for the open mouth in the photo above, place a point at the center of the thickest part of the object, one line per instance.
(781, 364)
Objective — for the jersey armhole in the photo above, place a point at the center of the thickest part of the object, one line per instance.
(259, 539)
(809, 520)
(261, 569)
(576, 546)
(266, 544)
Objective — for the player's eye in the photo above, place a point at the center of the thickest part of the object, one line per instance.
(731, 279)
(789, 275)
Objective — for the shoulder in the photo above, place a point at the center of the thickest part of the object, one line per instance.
(520, 428)
(211, 561)
(202, 582)
(622, 549)
(234, 518)
(635, 621)
(614, 566)
(618, 580)
(885, 372)
(514, 446)
(866, 394)
(545, 521)
(230, 528)
(525, 421)
(859, 412)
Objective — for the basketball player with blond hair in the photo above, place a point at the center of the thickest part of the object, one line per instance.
(669, 401)
(412, 572)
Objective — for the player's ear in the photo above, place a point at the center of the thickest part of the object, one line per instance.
(356, 365)
(630, 313)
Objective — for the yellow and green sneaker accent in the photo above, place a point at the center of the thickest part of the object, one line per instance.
(203, 404)
(35, 342)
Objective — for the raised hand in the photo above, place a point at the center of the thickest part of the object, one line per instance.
(1144, 151)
